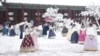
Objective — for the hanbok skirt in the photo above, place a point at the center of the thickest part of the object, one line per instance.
(81, 38)
(45, 29)
(40, 33)
(28, 44)
(90, 43)
(69, 34)
(64, 31)
(12, 32)
(74, 37)
(51, 34)
(5, 31)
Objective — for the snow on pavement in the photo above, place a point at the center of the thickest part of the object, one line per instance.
(60, 46)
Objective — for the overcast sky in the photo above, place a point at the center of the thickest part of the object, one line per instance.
(58, 2)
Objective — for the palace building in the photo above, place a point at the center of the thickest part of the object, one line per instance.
(20, 11)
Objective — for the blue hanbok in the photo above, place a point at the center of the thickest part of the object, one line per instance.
(5, 30)
(51, 33)
(21, 31)
(12, 32)
(45, 29)
(74, 37)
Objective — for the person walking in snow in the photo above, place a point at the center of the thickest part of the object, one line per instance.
(82, 34)
(29, 43)
(21, 27)
(51, 31)
(5, 30)
(45, 29)
(64, 31)
(12, 31)
(74, 36)
(91, 40)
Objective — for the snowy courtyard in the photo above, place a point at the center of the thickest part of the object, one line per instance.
(60, 46)
(23, 22)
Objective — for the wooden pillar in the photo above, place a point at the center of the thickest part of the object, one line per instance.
(37, 18)
(33, 14)
(5, 18)
(5, 12)
(15, 16)
(22, 14)
(6, 15)
(69, 13)
(2, 15)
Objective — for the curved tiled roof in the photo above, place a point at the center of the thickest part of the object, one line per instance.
(43, 6)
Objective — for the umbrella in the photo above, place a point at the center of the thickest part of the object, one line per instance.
(48, 19)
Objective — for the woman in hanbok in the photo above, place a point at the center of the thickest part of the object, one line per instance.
(29, 43)
(5, 30)
(74, 36)
(45, 29)
(17, 30)
(34, 35)
(69, 32)
(90, 41)
(12, 31)
(1, 27)
(51, 32)
(64, 31)
(82, 35)
(21, 29)
(40, 30)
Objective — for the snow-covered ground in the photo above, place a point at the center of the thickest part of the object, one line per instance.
(60, 46)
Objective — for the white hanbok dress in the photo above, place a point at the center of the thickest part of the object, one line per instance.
(91, 40)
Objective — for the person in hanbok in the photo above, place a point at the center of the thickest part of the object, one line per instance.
(60, 25)
(40, 30)
(91, 40)
(34, 35)
(5, 30)
(12, 31)
(69, 32)
(45, 29)
(1, 27)
(82, 35)
(51, 32)
(17, 30)
(29, 43)
(32, 23)
(21, 28)
(64, 31)
(74, 36)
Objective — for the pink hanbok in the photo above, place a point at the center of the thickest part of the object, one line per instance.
(82, 36)
(34, 37)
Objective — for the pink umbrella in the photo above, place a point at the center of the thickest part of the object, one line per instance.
(48, 19)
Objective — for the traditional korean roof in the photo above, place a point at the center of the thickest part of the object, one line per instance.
(57, 2)
(40, 6)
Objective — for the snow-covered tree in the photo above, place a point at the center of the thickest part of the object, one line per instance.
(52, 15)
(93, 10)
